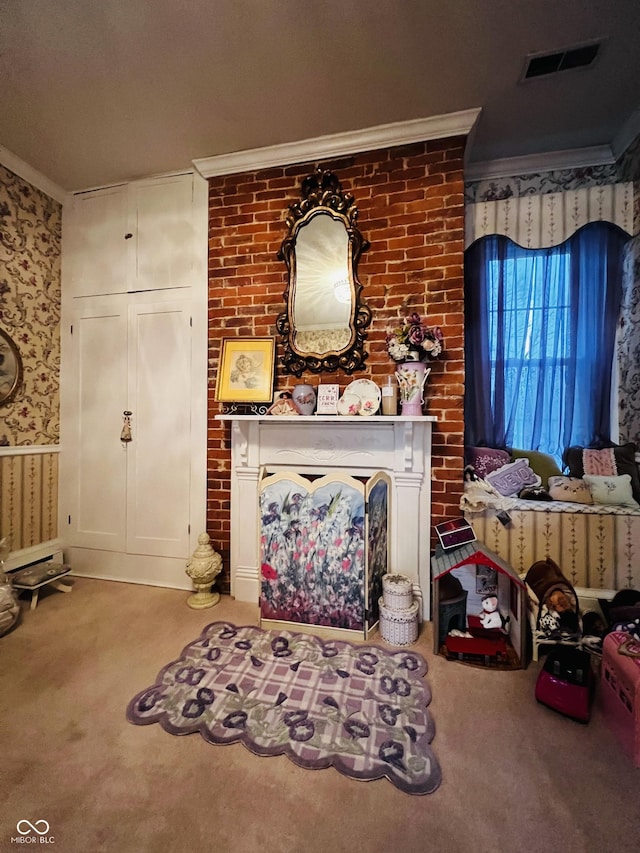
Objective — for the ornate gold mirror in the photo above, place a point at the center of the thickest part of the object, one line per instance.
(323, 324)
(10, 368)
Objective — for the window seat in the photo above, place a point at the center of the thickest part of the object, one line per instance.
(518, 504)
(597, 547)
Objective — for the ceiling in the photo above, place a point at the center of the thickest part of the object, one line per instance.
(96, 92)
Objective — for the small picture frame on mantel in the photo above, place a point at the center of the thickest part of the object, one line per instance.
(327, 402)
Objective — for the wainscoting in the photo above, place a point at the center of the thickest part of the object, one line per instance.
(597, 548)
(29, 503)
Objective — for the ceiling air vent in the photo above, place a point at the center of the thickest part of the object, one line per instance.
(561, 60)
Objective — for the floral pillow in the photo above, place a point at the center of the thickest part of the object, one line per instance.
(611, 491)
(570, 489)
(599, 462)
(513, 477)
(486, 459)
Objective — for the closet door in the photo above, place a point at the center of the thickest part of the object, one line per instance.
(97, 252)
(130, 353)
(159, 455)
(135, 237)
(163, 226)
(93, 456)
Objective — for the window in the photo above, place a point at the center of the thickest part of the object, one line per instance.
(540, 331)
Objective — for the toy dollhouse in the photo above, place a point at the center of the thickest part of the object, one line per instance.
(479, 576)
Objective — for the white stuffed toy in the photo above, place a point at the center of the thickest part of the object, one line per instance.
(490, 616)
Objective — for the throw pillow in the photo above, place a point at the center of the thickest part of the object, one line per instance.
(512, 477)
(485, 459)
(599, 462)
(570, 489)
(624, 456)
(572, 460)
(611, 491)
(543, 464)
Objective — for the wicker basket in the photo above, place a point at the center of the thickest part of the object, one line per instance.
(399, 627)
(397, 592)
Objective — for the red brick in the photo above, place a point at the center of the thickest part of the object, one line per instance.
(411, 209)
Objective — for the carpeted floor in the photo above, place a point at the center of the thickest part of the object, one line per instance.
(515, 775)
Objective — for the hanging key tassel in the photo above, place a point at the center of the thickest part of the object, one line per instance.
(125, 435)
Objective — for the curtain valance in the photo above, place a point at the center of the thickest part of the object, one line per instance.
(542, 221)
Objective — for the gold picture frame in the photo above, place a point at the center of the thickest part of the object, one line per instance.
(10, 368)
(245, 372)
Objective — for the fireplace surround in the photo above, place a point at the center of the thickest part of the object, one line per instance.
(317, 444)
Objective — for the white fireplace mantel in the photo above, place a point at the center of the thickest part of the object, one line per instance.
(400, 446)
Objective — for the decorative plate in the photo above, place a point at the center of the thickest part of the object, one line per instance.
(368, 393)
(349, 404)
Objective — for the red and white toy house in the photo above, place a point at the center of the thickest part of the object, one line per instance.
(467, 564)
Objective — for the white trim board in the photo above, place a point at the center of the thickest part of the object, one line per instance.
(574, 158)
(339, 144)
(28, 173)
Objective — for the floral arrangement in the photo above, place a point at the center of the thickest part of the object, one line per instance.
(415, 341)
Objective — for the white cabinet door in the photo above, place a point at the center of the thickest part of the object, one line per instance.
(158, 457)
(130, 353)
(96, 249)
(94, 459)
(135, 237)
(164, 227)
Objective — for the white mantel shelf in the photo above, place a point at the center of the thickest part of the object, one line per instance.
(334, 419)
(354, 445)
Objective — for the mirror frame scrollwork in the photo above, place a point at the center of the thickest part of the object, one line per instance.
(322, 190)
(11, 371)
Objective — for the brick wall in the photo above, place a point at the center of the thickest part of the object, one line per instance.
(411, 209)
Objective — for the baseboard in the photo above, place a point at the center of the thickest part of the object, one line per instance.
(166, 572)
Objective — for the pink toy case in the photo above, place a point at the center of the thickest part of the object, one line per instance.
(620, 691)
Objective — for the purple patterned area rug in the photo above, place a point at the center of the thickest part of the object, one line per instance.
(360, 708)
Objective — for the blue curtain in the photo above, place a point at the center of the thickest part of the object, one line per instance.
(540, 329)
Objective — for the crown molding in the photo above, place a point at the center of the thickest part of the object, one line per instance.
(28, 173)
(627, 134)
(339, 144)
(571, 158)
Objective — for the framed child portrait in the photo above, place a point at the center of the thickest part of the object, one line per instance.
(245, 372)
(10, 368)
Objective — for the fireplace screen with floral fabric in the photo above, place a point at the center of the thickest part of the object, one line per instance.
(324, 547)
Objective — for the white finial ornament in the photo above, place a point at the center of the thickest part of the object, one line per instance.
(203, 568)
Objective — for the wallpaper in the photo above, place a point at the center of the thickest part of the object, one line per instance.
(30, 295)
(539, 183)
(629, 347)
(629, 163)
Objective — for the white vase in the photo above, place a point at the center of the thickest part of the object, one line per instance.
(304, 398)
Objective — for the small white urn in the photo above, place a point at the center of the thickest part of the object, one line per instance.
(203, 568)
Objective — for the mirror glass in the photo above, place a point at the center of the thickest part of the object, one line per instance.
(323, 324)
(322, 290)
